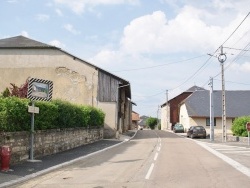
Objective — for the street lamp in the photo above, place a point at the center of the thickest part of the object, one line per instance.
(222, 58)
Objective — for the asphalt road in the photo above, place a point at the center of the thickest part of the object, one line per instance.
(151, 159)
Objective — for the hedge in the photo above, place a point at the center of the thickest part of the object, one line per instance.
(239, 126)
(56, 114)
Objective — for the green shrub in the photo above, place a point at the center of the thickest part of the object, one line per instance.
(47, 117)
(14, 114)
(57, 114)
(151, 122)
(6, 93)
(96, 117)
(239, 126)
(66, 114)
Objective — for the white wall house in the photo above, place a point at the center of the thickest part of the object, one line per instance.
(195, 109)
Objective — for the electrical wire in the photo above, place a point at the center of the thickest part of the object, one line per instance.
(236, 49)
(196, 72)
(150, 67)
(234, 82)
(231, 48)
(235, 29)
(192, 74)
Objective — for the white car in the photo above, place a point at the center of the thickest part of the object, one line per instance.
(140, 127)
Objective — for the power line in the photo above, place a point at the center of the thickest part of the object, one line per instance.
(231, 48)
(214, 52)
(236, 49)
(192, 74)
(191, 59)
(235, 29)
(234, 82)
(150, 95)
(150, 67)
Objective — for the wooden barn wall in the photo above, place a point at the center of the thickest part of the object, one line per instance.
(107, 88)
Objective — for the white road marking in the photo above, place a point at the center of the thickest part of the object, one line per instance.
(225, 146)
(228, 149)
(228, 160)
(156, 155)
(149, 171)
(159, 148)
(236, 151)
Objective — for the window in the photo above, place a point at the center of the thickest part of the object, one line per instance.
(208, 121)
(233, 120)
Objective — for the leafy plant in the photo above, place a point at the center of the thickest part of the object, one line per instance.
(239, 126)
(14, 115)
(6, 92)
(151, 122)
(57, 114)
(21, 91)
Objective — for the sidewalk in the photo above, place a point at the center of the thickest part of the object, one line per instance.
(27, 170)
(217, 140)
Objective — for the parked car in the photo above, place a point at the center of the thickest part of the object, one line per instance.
(140, 127)
(197, 132)
(178, 128)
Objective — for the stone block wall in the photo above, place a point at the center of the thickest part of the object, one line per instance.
(47, 142)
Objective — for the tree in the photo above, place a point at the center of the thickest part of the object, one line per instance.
(239, 126)
(21, 91)
(151, 122)
(6, 93)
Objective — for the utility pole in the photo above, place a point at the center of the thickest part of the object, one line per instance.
(222, 58)
(167, 111)
(211, 110)
(158, 117)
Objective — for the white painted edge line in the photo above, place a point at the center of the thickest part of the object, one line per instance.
(226, 146)
(149, 171)
(236, 151)
(228, 160)
(39, 173)
(159, 148)
(156, 155)
(231, 149)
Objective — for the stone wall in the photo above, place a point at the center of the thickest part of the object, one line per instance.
(230, 138)
(47, 142)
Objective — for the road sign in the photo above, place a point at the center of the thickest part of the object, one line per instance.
(248, 126)
(32, 109)
(39, 89)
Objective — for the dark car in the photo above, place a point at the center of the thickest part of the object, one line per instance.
(178, 128)
(197, 132)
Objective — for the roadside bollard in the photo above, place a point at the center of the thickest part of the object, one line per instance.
(5, 158)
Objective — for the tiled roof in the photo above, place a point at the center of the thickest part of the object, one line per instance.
(190, 90)
(135, 116)
(27, 43)
(237, 103)
(194, 88)
(22, 42)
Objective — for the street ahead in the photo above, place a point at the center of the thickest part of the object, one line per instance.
(151, 159)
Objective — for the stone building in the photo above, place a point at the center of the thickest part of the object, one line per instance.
(74, 79)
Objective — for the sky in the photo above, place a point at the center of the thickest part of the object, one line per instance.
(162, 47)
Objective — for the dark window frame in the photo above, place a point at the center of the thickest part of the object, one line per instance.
(208, 121)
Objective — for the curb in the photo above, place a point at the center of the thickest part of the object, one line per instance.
(42, 172)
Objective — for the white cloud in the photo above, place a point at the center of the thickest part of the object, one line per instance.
(12, 1)
(79, 6)
(187, 32)
(59, 12)
(57, 43)
(244, 67)
(25, 34)
(71, 29)
(42, 17)
(156, 38)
